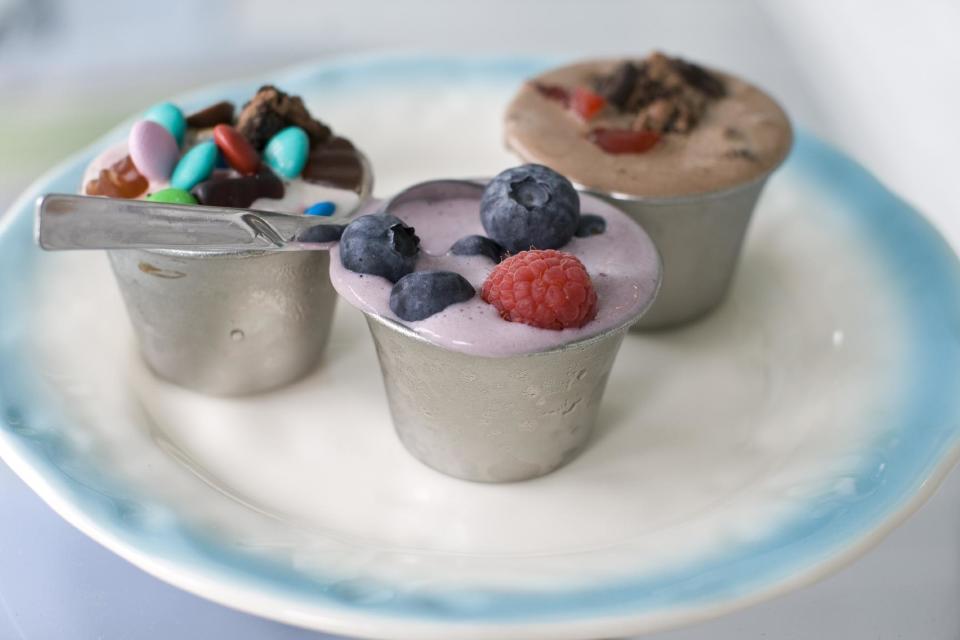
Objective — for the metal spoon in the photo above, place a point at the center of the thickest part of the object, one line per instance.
(67, 222)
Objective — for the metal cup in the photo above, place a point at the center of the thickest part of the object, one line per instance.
(699, 238)
(492, 419)
(228, 323)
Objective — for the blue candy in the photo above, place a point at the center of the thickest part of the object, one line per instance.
(170, 117)
(325, 208)
(195, 166)
(286, 153)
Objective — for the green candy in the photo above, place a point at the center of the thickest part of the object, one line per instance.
(169, 116)
(172, 196)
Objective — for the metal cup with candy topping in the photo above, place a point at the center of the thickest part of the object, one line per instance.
(238, 321)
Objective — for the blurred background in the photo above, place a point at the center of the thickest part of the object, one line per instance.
(876, 78)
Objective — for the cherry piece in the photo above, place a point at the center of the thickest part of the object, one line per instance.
(585, 103)
(618, 141)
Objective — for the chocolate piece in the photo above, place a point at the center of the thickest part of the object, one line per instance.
(699, 78)
(271, 110)
(219, 113)
(335, 163)
(322, 233)
(666, 94)
(119, 180)
(239, 192)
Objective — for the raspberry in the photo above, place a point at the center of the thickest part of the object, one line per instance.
(543, 288)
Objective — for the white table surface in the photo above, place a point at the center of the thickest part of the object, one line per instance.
(876, 78)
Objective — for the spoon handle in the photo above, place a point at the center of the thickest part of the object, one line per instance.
(84, 222)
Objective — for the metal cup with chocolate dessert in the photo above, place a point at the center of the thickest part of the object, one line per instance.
(232, 322)
(683, 150)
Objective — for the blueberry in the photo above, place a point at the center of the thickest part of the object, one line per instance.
(421, 294)
(590, 225)
(530, 206)
(381, 245)
(321, 233)
(478, 246)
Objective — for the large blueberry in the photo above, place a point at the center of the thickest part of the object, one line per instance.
(478, 246)
(421, 294)
(380, 245)
(530, 206)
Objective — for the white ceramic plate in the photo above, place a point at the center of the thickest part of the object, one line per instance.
(735, 459)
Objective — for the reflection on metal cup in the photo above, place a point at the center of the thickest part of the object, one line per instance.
(492, 419)
(228, 323)
(699, 238)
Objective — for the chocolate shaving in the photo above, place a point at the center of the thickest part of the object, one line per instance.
(219, 113)
(335, 163)
(271, 110)
(743, 154)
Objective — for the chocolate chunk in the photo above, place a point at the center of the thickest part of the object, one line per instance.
(335, 163)
(271, 110)
(219, 113)
(322, 233)
(699, 78)
(618, 86)
(666, 94)
(239, 192)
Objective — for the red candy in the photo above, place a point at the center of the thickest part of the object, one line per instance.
(586, 103)
(237, 150)
(546, 288)
(624, 140)
(119, 180)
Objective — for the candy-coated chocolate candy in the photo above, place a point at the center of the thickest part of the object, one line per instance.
(119, 180)
(325, 208)
(170, 116)
(239, 192)
(286, 153)
(195, 166)
(153, 149)
(237, 150)
(173, 196)
(218, 113)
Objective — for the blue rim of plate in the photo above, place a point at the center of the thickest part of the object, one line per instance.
(917, 447)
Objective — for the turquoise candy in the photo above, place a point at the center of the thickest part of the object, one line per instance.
(172, 196)
(170, 117)
(286, 153)
(324, 208)
(195, 166)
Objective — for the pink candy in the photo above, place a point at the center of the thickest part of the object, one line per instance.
(153, 150)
